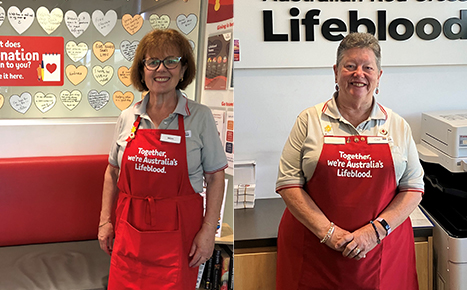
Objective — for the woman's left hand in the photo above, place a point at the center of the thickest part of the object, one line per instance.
(203, 246)
(364, 240)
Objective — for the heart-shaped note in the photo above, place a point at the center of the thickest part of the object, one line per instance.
(70, 99)
(103, 51)
(124, 75)
(49, 20)
(2, 15)
(102, 74)
(132, 23)
(161, 22)
(123, 100)
(98, 100)
(186, 24)
(128, 49)
(77, 24)
(104, 23)
(76, 74)
(21, 104)
(20, 20)
(44, 102)
(2, 101)
(76, 51)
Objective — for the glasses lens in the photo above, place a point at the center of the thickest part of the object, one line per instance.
(171, 62)
(152, 64)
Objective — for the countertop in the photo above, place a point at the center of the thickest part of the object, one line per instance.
(257, 227)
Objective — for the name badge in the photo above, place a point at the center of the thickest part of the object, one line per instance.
(171, 138)
(334, 140)
(377, 140)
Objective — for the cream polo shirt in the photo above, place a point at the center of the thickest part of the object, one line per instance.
(204, 149)
(303, 147)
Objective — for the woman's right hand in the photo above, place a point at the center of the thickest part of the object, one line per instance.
(338, 235)
(106, 237)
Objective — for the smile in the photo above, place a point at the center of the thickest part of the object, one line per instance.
(161, 79)
(358, 84)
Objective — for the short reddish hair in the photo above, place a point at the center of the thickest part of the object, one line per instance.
(161, 40)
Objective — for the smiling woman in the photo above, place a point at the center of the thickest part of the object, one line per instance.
(181, 138)
(347, 185)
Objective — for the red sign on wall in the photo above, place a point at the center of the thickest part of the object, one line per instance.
(31, 61)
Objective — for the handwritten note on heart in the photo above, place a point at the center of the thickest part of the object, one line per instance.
(77, 24)
(103, 51)
(70, 99)
(76, 74)
(102, 74)
(128, 49)
(49, 20)
(186, 24)
(124, 75)
(132, 24)
(104, 23)
(76, 51)
(2, 101)
(20, 20)
(22, 103)
(98, 100)
(161, 22)
(2, 16)
(44, 102)
(123, 100)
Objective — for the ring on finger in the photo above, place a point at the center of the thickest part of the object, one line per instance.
(357, 251)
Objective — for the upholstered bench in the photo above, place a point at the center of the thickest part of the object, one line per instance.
(49, 215)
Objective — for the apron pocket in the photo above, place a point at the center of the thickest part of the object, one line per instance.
(154, 254)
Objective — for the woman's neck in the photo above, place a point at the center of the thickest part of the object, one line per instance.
(354, 111)
(161, 106)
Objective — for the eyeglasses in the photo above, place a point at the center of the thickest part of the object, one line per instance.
(169, 62)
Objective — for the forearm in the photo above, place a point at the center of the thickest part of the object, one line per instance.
(305, 210)
(214, 196)
(403, 204)
(109, 193)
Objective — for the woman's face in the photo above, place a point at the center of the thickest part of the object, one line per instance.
(357, 74)
(163, 80)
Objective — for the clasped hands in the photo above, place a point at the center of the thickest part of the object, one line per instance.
(353, 245)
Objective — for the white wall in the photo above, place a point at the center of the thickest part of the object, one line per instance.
(267, 102)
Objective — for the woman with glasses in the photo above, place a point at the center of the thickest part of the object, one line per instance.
(163, 147)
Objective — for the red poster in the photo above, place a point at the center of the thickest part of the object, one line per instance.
(220, 10)
(31, 61)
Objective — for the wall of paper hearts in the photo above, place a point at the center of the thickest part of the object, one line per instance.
(58, 63)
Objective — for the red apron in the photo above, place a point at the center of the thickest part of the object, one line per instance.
(353, 183)
(158, 213)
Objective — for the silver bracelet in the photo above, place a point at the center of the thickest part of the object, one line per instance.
(329, 234)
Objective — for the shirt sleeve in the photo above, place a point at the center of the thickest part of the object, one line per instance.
(290, 165)
(412, 178)
(213, 157)
(113, 154)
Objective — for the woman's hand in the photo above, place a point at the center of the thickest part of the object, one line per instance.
(357, 244)
(337, 236)
(106, 236)
(203, 245)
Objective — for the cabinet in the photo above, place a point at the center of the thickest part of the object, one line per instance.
(255, 268)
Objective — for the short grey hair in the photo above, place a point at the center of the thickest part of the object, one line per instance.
(359, 40)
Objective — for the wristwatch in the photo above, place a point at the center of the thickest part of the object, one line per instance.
(385, 225)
